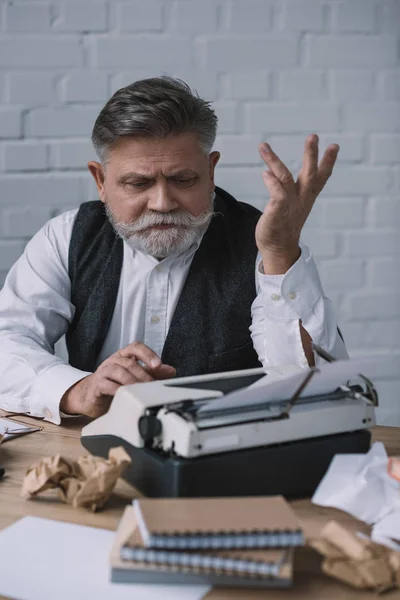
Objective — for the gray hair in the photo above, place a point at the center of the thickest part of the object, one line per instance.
(156, 107)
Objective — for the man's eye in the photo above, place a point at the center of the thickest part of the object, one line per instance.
(138, 184)
(185, 181)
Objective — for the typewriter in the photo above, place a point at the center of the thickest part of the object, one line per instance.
(238, 433)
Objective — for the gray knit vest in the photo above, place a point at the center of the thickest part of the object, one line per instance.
(209, 331)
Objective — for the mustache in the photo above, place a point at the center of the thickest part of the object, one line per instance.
(177, 218)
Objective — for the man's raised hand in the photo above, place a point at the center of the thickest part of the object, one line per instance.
(279, 227)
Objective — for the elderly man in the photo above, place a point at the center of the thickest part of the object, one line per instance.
(167, 274)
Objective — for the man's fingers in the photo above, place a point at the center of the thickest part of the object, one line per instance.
(164, 372)
(123, 376)
(311, 182)
(137, 371)
(310, 157)
(326, 165)
(277, 167)
(275, 187)
(118, 374)
(105, 387)
(141, 352)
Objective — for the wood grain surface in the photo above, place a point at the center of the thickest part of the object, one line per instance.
(18, 454)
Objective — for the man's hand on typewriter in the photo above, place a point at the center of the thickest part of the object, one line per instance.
(92, 395)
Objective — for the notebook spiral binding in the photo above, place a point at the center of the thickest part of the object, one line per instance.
(215, 563)
(272, 539)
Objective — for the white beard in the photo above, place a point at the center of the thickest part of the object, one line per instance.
(162, 243)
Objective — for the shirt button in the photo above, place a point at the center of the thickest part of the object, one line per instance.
(48, 414)
(275, 297)
(158, 268)
(155, 319)
(292, 295)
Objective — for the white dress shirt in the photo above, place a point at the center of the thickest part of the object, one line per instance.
(35, 311)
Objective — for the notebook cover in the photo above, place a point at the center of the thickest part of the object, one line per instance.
(128, 535)
(183, 516)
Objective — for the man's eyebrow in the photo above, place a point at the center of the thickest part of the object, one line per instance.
(132, 176)
(183, 173)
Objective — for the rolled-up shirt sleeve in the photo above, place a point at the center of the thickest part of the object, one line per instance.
(282, 302)
(35, 311)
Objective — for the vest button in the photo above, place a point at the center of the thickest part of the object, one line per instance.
(275, 297)
(155, 319)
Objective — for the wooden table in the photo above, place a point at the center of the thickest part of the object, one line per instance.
(18, 454)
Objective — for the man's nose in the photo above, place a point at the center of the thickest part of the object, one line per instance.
(161, 199)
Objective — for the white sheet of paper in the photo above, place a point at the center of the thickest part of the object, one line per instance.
(360, 485)
(326, 379)
(12, 426)
(387, 531)
(42, 559)
(276, 373)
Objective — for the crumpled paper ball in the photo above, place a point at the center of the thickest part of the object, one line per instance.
(357, 560)
(87, 482)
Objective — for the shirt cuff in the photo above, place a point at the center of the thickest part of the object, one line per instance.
(50, 387)
(292, 295)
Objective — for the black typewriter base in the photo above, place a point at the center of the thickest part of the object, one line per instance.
(293, 469)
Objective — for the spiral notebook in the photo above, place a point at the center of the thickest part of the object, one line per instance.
(131, 561)
(215, 523)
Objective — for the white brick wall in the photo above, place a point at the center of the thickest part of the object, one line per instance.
(276, 69)
(141, 16)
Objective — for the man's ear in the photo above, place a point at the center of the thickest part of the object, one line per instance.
(213, 159)
(97, 171)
